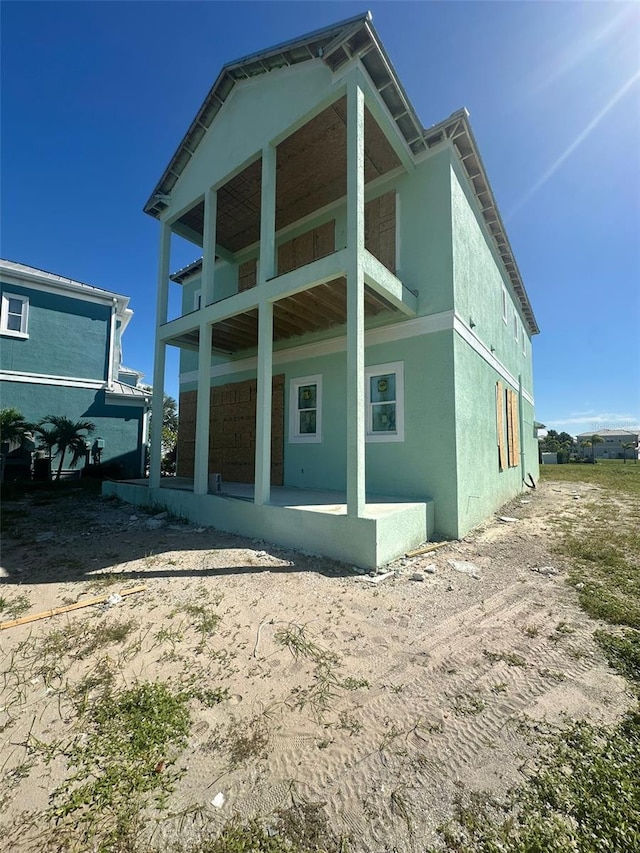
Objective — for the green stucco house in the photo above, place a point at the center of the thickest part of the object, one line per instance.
(355, 340)
(60, 354)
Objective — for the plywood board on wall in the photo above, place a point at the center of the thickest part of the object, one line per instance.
(232, 431)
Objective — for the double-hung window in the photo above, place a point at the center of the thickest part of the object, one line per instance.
(14, 315)
(305, 410)
(384, 388)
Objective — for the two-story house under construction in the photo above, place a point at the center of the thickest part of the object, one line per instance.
(356, 338)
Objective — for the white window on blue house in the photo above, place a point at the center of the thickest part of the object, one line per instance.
(14, 316)
(384, 389)
(504, 303)
(516, 325)
(305, 410)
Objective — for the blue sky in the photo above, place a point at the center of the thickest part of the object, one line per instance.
(97, 96)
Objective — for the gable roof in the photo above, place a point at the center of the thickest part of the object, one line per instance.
(336, 45)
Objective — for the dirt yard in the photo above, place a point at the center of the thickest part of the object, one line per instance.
(384, 701)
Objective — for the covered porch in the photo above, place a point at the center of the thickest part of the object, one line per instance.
(309, 520)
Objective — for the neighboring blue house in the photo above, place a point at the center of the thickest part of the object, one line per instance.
(60, 354)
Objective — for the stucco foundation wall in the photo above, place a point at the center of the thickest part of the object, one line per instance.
(482, 487)
(365, 542)
(119, 426)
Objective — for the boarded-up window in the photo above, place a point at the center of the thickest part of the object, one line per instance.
(307, 247)
(247, 275)
(513, 437)
(502, 458)
(509, 452)
(380, 229)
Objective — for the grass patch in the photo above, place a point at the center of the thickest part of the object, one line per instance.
(13, 608)
(510, 658)
(301, 828)
(120, 763)
(583, 798)
(622, 653)
(585, 794)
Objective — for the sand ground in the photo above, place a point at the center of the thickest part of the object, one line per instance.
(408, 694)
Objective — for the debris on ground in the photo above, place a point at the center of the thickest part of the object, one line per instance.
(465, 568)
(545, 570)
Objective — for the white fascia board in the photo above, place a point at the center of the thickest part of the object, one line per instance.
(48, 379)
(114, 399)
(77, 291)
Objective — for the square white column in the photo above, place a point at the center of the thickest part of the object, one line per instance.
(209, 247)
(355, 402)
(263, 403)
(201, 461)
(265, 329)
(162, 310)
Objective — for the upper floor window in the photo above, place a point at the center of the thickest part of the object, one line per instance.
(197, 300)
(384, 386)
(504, 303)
(305, 410)
(516, 325)
(14, 315)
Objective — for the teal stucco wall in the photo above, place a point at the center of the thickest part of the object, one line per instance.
(67, 337)
(119, 426)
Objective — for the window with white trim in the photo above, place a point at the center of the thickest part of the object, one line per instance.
(516, 325)
(384, 390)
(14, 315)
(305, 410)
(524, 342)
(504, 303)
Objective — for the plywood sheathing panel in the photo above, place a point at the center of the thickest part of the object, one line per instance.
(380, 229)
(247, 275)
(238, 218)
(232, 418)
(311, 172)
(312, 162)
(308, 247)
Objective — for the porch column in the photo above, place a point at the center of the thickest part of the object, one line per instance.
(355, 300)
(201, 462)
(263, 404)
(209, 247)
(265, 329)
(162, 310)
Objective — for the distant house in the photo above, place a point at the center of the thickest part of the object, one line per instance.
(611, 445)
(356, 356)
(60, 354)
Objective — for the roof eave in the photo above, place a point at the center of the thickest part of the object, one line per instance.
(457, 127)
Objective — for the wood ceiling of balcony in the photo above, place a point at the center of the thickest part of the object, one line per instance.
(315, 310)
(311, 172)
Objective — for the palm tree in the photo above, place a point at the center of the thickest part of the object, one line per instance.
(13, 426)
(595, 439)
(628, 446)
(48, 438)
(68, 436)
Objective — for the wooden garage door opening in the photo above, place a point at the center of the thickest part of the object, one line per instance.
(232, 432)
